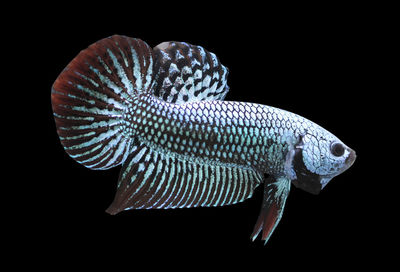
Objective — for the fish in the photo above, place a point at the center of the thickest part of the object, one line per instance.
(160, 113)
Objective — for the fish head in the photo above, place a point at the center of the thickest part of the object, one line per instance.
(318, 158)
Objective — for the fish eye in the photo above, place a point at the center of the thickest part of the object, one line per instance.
(337, 149)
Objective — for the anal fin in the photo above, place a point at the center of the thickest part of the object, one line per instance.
(150, 179)
(275, 194)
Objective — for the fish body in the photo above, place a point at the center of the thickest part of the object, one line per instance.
(161, 114)
(239, 134)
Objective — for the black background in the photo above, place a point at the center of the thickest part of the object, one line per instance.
(315, 64)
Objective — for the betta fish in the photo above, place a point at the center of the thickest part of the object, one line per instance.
(160, 113)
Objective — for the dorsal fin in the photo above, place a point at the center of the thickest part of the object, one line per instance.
(188, 73)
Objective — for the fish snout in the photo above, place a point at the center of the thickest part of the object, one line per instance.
(351, 158)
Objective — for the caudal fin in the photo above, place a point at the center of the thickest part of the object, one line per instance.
(90, 96)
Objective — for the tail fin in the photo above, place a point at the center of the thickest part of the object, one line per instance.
(90, 96)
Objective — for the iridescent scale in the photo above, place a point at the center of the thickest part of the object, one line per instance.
(237, 134)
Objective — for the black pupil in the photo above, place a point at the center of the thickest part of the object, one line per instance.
(337, 149)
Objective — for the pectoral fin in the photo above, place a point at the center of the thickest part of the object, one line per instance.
(275, 194)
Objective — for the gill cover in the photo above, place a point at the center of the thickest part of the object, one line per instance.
(300, 175)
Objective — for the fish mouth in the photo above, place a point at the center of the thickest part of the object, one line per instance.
(324, 181)
(347, 164)
(349, 161)
(351, 158)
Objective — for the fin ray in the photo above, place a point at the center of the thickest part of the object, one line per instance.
(152, 180)
(275, 194)
(92, 93)
(188, 73)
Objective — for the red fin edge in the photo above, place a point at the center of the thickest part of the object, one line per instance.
(265, 222)
(275, 194)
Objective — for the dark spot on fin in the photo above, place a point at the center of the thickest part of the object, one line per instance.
(188, 73)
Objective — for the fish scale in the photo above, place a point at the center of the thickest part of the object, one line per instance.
(160, 114)
(244, 139)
